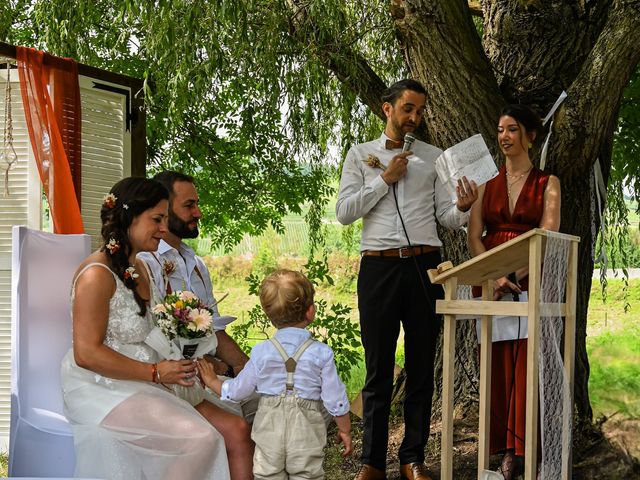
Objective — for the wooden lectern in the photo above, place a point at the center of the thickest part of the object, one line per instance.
(527, 249)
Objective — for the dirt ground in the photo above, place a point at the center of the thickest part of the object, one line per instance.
(612, 451)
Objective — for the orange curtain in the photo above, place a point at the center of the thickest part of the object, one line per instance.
(51, 99)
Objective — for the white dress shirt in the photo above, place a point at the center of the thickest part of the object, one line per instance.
(189, 273)
(421, 197)
(315, 378)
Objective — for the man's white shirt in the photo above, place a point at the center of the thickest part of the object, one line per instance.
(188, 273)
(421, 197)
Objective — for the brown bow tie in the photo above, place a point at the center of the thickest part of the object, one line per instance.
(393, 144)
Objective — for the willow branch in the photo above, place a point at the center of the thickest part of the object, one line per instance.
(586, 121)
(350, 67)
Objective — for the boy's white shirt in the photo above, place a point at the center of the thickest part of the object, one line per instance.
(315, 378)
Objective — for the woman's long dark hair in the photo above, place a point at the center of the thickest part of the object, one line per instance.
(526, 117)
(134, 195)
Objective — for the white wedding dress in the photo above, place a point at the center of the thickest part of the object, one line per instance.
(135, 430)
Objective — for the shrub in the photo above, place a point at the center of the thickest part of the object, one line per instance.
(332, 324)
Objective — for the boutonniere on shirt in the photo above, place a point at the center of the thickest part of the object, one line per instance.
(168, 267)
(374, 162)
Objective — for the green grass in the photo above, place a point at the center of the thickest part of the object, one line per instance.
(613, 347)
(4, 464)
(614, 384)
(613, 335)
(634, 219)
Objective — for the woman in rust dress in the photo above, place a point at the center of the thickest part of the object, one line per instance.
(519, 199)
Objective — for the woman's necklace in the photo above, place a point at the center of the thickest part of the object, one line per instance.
(515, 179)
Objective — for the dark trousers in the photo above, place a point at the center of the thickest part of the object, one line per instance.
(389, 292)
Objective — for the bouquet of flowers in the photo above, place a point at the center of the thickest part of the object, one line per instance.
(184, 329)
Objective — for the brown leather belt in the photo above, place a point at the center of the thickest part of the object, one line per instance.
(404, 252)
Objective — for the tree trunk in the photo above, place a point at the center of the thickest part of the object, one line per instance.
(532, 51)
(462, 95)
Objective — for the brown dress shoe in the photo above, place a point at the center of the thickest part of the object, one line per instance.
(414, 471)
(367, 472)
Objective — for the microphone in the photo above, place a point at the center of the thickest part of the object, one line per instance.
(409, 138)
(512, 279)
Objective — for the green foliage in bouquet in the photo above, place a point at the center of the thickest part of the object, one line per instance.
(332, 324)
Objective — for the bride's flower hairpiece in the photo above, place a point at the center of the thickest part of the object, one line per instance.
(374, 162)
(113, 246)
(109, 200)
(130, 273)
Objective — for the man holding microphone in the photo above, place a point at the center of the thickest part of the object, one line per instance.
(397, 193)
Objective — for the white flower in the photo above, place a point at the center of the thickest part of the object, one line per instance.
(113, 246)
(131, 272)
(200, 319)
(109, 200)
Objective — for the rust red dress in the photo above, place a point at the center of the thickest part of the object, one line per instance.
(509, 358)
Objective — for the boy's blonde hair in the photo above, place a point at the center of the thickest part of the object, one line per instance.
(285, 297)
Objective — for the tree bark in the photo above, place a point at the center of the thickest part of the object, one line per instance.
(538, 47)
(531, 50)
(442, 49)
(584, 129)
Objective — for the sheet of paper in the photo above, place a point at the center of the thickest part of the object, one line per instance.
(470, 158)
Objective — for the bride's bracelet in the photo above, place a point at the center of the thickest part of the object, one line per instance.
(155, 374)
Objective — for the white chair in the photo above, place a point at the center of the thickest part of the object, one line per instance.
(43, 264)
(489, 475)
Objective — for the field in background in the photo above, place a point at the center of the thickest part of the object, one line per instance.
(613, 340)
(294, 242)
(613, 346)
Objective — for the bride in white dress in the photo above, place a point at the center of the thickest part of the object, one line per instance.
(126, 425)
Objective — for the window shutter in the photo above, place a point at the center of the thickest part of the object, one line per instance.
(21, 207)
(106, 158)
(106, 147)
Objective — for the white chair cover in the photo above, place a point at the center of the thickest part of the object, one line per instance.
(488, 475)
(43, 264)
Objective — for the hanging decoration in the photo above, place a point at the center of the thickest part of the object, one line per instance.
(8, 155)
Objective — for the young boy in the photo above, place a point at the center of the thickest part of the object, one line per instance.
(295, 375)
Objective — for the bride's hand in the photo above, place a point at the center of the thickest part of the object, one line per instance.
(182, 372)
(503, 286)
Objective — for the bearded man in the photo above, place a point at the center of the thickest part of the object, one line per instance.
(399, 197)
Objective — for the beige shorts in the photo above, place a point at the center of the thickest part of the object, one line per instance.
(290, 435)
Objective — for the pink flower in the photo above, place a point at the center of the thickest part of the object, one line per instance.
(159, 308)
(187, 296)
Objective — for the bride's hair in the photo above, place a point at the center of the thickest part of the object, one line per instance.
(133, 195)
